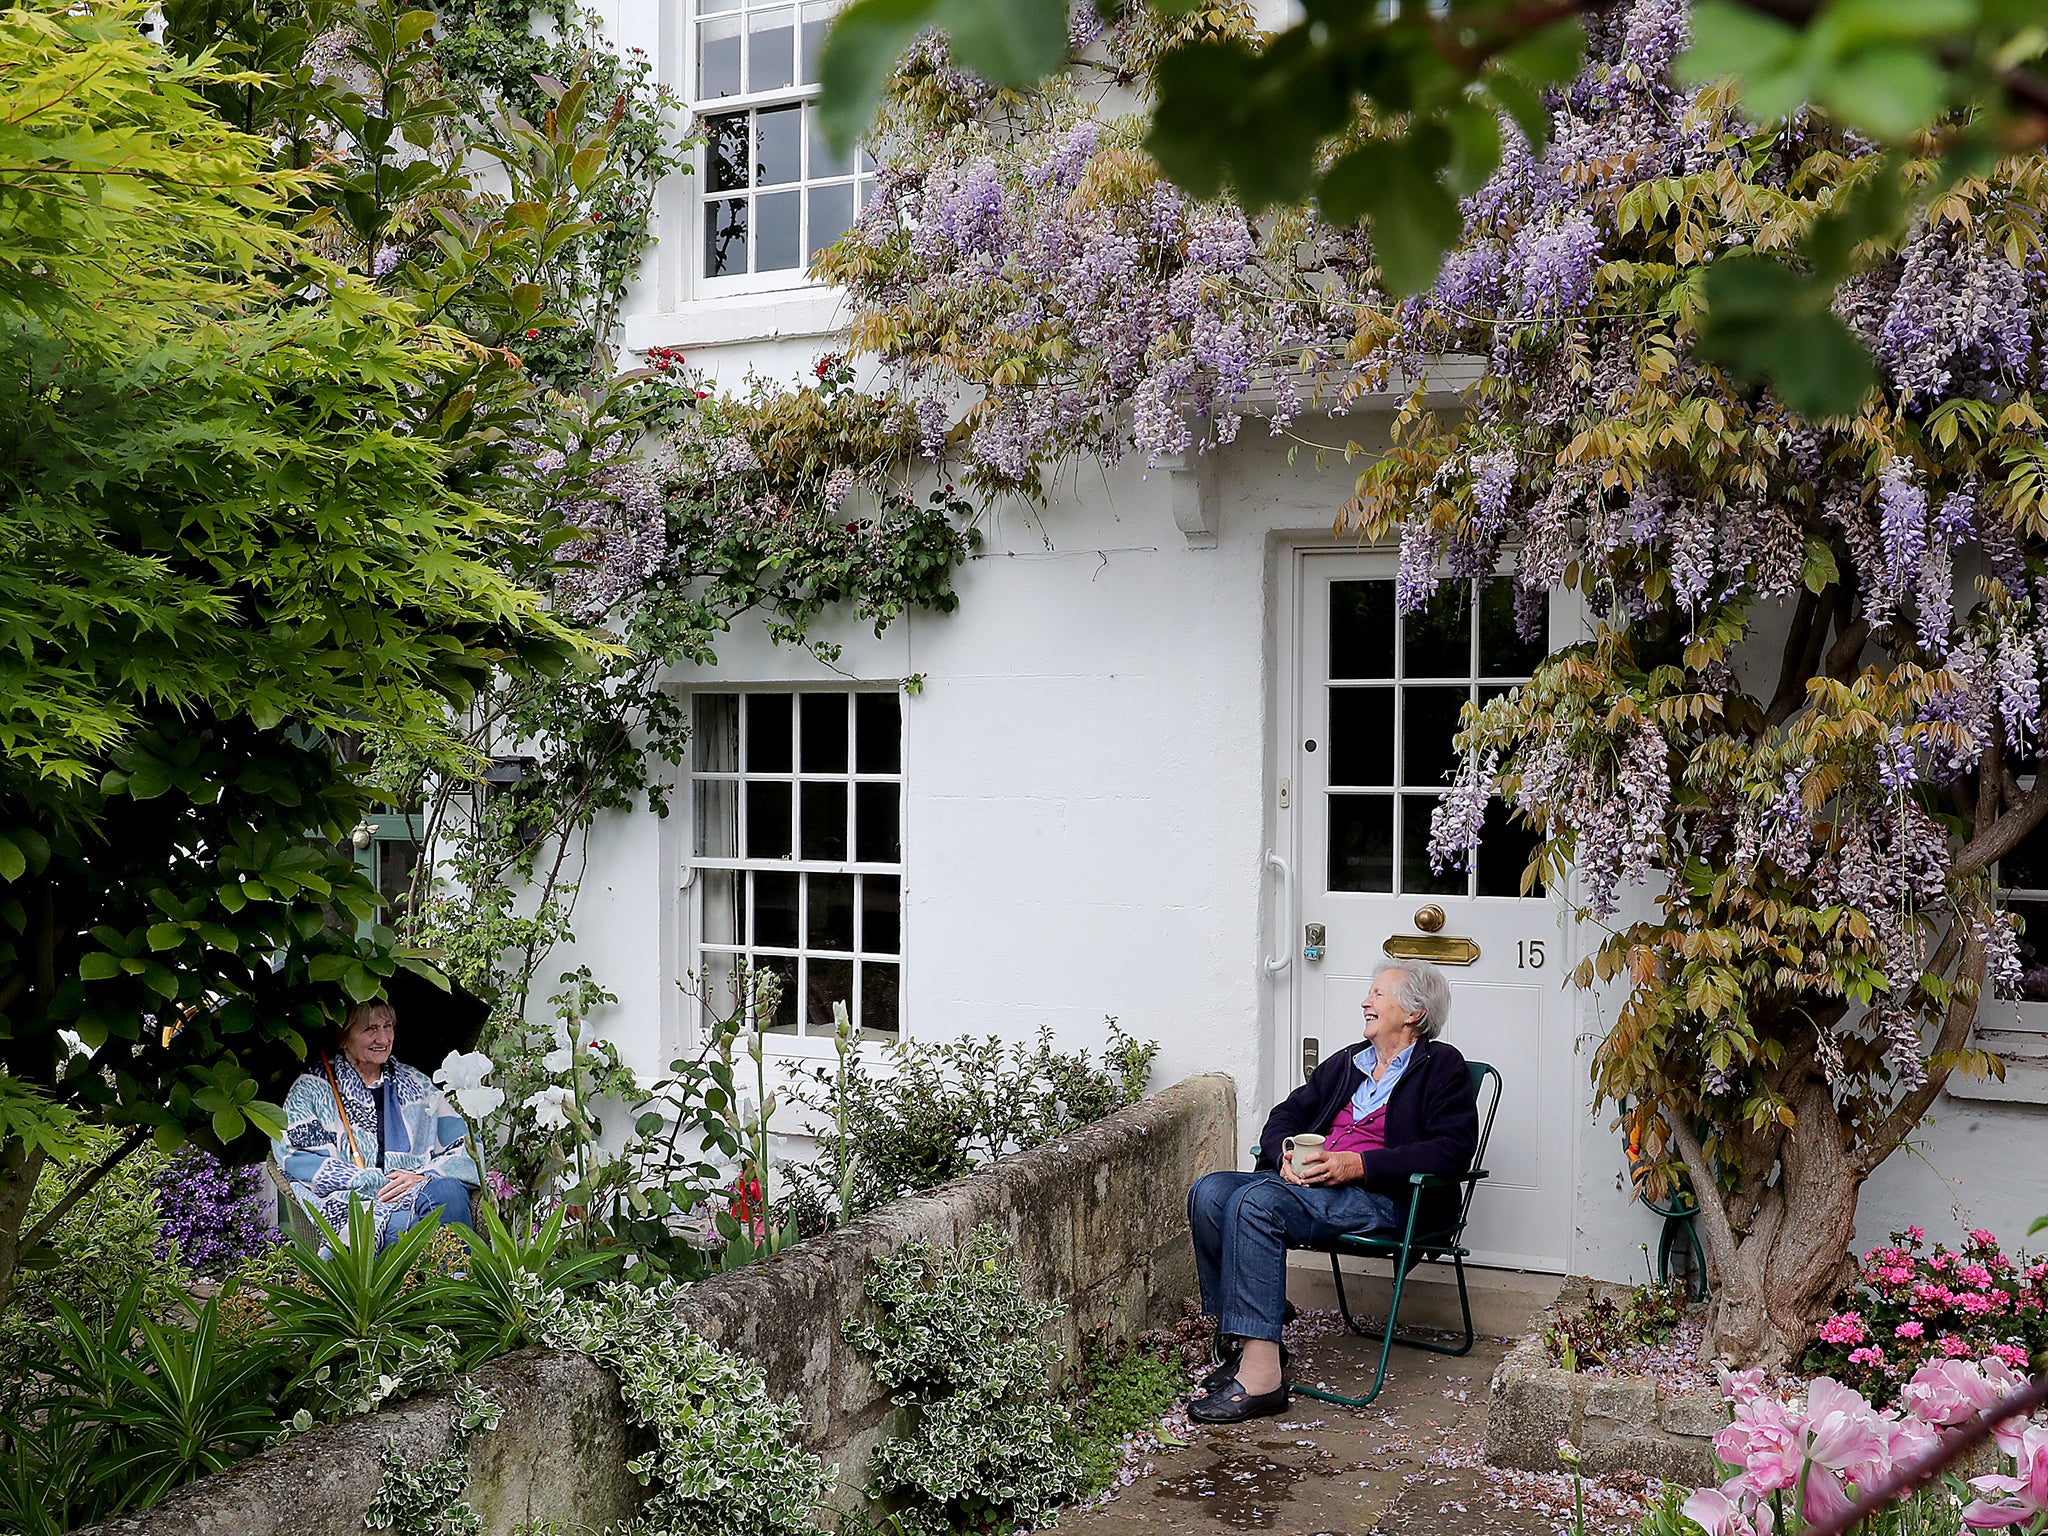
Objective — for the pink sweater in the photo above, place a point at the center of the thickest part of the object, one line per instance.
(1349, 1135)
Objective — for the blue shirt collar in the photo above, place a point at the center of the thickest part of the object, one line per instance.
(1366, 1059)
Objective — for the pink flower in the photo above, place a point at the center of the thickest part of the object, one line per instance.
(2027, 1492)
(1979, 1238)
(1764, 1442)
(1845, 1435)
(1868, 1355)
(1974, 1274)
(1976, 1303)
(1844, 1328)
(1825, 1497)
(1952, 1346)
(1914, 1235)
(2012, 1355)
(1910, 1330)
(1740, 1386)
(1719, 1514)
(1951, 1392)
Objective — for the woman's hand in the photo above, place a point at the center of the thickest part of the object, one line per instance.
(401, 1184)
(1332, 1168)
(1287, 1172)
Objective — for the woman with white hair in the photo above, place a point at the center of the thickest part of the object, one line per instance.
(1399, 1102)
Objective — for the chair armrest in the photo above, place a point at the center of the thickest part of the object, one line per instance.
(1445, 1180)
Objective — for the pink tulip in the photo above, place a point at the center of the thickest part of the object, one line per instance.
(1824, 1497)
(1951, 1392)
(1846, 1434)
(1719, 1514)
(2028, 1490)
(1740, 1386)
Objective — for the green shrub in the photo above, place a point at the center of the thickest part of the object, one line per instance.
(1603, 1328)
(958, 1343)
(1123, 1391)
(937, 1111)
(104, 1246)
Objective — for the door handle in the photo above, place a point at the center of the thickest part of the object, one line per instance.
(1275, 964)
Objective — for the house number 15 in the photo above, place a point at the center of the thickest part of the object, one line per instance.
(1529, 955)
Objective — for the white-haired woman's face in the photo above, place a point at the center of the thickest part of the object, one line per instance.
(1389, 1027)
(367, 1042)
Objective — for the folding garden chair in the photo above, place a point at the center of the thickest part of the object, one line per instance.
(1413, 1248)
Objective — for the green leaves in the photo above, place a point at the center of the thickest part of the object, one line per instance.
(1016, 43)
(1415, 218)
(1871, 63)
(1766, 322)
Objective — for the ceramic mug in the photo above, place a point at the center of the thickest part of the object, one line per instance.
(1307, 1150)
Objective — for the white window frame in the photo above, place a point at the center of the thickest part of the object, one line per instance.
(809, 1038)
(702, 199)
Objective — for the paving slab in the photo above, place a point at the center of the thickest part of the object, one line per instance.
(1408, 1465)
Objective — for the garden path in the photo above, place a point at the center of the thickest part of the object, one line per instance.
(1409, 1465)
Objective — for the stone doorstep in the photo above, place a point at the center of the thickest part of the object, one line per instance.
(1618, 1423)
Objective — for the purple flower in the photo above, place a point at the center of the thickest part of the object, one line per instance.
(1902, 523)
(215, 1214)
(384, 263)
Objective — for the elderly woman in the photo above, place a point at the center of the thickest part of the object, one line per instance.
(361, 1125)
(1399, 1102)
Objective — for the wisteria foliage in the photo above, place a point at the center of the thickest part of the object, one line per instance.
(1814, 692)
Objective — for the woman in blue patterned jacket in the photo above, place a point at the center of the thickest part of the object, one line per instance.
(361, 1125)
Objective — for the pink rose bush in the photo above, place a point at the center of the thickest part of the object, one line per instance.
(1796, 1464)
(1912, 1304)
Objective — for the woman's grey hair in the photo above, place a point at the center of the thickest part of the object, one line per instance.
(1423, 992)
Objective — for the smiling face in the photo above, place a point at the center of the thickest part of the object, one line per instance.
(1389, 1027)
(367, 1042)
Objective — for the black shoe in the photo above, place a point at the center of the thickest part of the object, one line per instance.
(1225, 1369)
(1231, 1404)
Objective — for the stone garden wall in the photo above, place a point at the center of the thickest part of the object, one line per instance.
(1098, 1219)
(1617, 1422)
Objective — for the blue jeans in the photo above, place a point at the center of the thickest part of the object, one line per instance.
(448, 1196)
(1243, 1224)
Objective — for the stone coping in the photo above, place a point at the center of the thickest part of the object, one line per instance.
(1618, 1423)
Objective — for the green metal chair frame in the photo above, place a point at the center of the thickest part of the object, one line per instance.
(1413, 1248)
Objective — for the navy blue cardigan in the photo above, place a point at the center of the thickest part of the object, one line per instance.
(1432, 1124)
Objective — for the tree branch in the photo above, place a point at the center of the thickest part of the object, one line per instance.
(1847, 650)
(1991, 843)
(1706, 1195)
(1965, 992)
(86, 1181)
(1813, 613)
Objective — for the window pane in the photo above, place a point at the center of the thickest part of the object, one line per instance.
(827, 982)
(878, 737)
(777, 145)
(1362, 629)
(823, 162)
(817, 22)
(880, 926)
(1504, 848)
(828, 921)
(715, 733)
(1429, 721)
(1416, 876)
(1438, 640)
(771, 49)
(831, 210)
(1503, 653)
(1361, 842)
(824, 821)
(2033, 949)
(778, 234)
(2026, 868)
(824, 732)
(718, 818)
(725, 237)
(718, 58)
(767, 821)
(1361, 740)
(877, 837)
(784, 967)
(722, 913)
(725, 153)
(879, 1008)
(774, 909)
(768, 733)
(716, 999)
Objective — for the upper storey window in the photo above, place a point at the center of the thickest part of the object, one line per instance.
(772, 195)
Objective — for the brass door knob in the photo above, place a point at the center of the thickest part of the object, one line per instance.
(1430, 918)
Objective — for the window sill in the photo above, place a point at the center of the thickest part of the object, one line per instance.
(735, 319)
(2022, 1044)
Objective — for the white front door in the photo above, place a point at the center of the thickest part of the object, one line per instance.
(1376, 705)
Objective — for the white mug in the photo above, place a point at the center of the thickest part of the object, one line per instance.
(1306, 1149)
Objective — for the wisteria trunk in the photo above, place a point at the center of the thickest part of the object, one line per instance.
(1780, 1254)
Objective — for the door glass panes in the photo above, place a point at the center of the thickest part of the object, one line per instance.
(1393, 698)
(799, 821)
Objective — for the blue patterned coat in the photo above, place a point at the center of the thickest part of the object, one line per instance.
(421, 1131)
